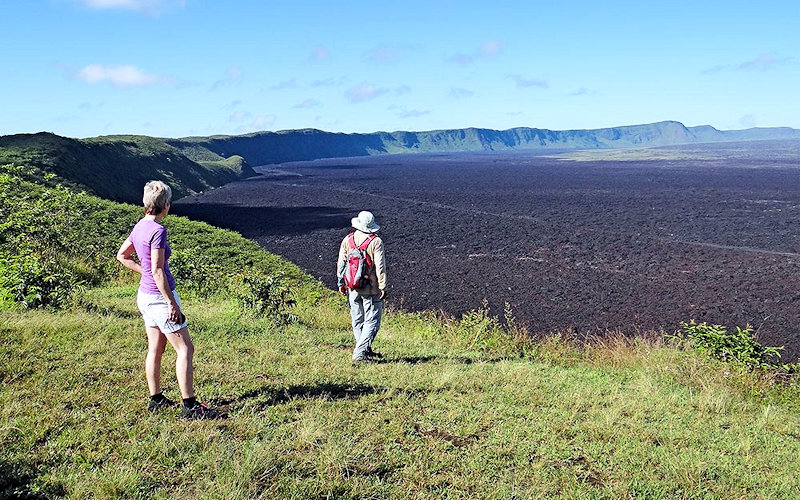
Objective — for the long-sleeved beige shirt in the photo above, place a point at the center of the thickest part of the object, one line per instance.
(377, 272)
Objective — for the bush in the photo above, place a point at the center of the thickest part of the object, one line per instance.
(193, 272)
(717, 342)
(262, 295)
(31, 282)
(482, 329)
(479, 329)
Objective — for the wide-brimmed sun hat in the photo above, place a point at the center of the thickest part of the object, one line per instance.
(365, 222)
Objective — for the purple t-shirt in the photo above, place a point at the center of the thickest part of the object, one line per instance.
(146, 235)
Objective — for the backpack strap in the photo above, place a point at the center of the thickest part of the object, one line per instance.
(364, 244)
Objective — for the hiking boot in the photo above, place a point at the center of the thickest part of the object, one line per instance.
(154, 406)
(200, 411)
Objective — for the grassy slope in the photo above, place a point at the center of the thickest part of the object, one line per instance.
(443, 417)
(116, 167)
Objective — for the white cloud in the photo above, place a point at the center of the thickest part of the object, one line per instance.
(328, 82)
(320, 53)
(581, 91)
(286, 84)
(461, 93)
(763, 62)
(119, 76)
(402, 90)
(463, 59)
(748, 121)
(387, 55)
(307, 104)
(90, 106)
(488, 50)
(364, 92)
(412, 113)
(231, 105)
(714, 69)
(150, 7)
(232, 75)
(523, 82)
(239, 116)
(258, 124)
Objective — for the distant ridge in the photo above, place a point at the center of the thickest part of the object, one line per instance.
(309, 144)
(116, 167)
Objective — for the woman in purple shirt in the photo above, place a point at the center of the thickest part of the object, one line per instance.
(159, 303)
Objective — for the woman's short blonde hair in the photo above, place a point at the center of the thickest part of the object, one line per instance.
(157, 196)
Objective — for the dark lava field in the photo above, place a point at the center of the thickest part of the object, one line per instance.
(582, 242)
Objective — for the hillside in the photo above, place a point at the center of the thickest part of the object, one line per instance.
(295, 145)
(116, 167)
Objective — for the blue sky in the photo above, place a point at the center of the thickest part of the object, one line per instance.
(175, 68)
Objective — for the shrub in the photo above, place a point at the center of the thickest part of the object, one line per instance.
(479, 329)
(719, 343)
(31, 282)
(194, 273)
(263, 295)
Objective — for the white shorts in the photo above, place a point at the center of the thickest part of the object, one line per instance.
(155, 312)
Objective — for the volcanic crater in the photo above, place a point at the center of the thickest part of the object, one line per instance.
(586, 242)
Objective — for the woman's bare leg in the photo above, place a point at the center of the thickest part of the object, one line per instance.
(184, 368)
(156, 342)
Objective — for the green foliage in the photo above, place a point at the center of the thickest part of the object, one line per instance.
(196, 274)
(480, 328)
(263, 295)
(717, 342)
(31, 282)
(80, 230)
(126, 163)
(73, 236)
(257, 293)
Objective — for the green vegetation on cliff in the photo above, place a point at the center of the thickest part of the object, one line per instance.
(116, 167)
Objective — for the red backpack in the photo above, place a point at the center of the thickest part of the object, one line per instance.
(356, 270)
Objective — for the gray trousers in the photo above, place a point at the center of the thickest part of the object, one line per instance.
(366, 312)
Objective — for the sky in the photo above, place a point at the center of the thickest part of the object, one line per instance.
(177, 68)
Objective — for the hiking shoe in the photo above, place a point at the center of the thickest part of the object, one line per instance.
(200, 411)
(154, 406)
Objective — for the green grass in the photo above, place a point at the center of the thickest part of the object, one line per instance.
(443, 417)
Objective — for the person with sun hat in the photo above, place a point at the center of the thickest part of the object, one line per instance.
(361, 277)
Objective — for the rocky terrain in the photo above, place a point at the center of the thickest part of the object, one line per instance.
(630, 241)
